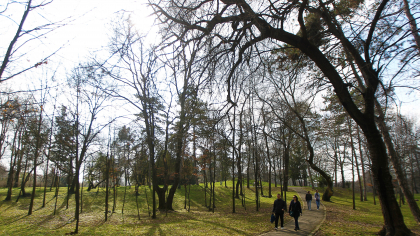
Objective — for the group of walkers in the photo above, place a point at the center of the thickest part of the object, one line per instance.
(308, 198)
(295, 208)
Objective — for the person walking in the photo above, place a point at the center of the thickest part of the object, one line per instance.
(317, 199)
(295, 210)
(309, 199)
(279, 208)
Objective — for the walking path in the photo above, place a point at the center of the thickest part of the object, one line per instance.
(309, 222)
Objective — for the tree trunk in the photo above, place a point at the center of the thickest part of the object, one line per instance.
(413, 24)
(239, 159)
(57, 186)
(18, 170)
(352, 162)
(394, 221)
(310, 177)
(24, 177)
(36, 155)
(247, 169)
(286, 165)
(355, 160)
(402, 181)
(363, 165)
(233, 162)
(107, 186)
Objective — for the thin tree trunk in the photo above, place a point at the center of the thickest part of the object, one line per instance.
(107, 186)
(48, 159)
(352, 163)
(395, 159)
(81, 191)
(363, 165)
(22, 185)
(214, 175)
(247, 169)
(205, 188)
(57, 186)
(233, 162)
(137, 201)
(355, 160)
(36, 155)
(413, 24)
(147, 200)
(189, 200)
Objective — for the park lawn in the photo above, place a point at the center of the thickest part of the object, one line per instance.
(365, 220)
(199, 221)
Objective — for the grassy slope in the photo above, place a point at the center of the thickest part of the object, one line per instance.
(199, 221)
(341, 218)
(365, 220)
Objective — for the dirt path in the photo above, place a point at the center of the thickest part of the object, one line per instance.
(309, 222)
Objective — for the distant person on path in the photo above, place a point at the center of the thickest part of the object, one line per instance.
(318, 199)
(309, 199)
(295, 209)
(278, 209)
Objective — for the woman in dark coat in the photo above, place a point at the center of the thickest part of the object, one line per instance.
(296, 208)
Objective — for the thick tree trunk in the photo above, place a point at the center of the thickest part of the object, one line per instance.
(161, 197)
(393, 219)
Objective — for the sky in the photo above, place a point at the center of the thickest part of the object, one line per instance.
(91, 28)
(87, 26)
(85, 32)
(87, 29)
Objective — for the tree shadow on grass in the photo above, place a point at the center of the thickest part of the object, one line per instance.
(14, 219)
(12, 204)
(226, 228)
(241, 232)
(154, 228)
(45, 220)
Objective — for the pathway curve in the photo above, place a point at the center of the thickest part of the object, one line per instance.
(309, 222)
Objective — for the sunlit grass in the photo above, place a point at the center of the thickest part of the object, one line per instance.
(365, 220)
(198, 221)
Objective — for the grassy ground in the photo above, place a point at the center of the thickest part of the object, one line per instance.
(365, 220)
(199, 221)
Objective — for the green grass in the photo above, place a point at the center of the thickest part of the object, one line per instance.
(199, 221)
(365, 220)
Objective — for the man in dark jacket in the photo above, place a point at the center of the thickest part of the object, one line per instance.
(309, 200)
(278, 209)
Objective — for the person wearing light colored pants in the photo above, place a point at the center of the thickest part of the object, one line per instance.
(318, 199)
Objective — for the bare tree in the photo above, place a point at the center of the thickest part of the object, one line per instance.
(243, 27)
(24, 36)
